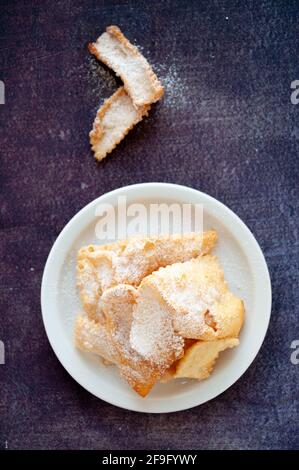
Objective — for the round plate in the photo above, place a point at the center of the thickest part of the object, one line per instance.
(245, 270)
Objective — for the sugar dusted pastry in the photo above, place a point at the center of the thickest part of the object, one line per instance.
(141, 371)
(110, 339)
(156, 323)
(115, 118)
(130, 103)
(202, 307)
(128, 262)
(152, 333)
(92, 337)
(114, 49)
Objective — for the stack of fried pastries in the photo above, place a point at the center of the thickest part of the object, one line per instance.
(158, 308)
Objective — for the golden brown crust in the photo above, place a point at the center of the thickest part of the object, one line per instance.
(199, 359)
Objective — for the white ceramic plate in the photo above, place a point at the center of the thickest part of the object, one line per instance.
(245, 270)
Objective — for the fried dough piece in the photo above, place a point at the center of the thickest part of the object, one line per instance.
(114, 49)
(149, 327)
(116, 117)
(117, 306)
(199, 359)
(141, 372)
(152, 334)
(129, 261)
(92, 337)
(201, 305)
(111, 340)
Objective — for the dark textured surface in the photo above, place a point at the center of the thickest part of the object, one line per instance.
(227, 128)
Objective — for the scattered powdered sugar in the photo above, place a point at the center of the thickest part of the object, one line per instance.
(176, 88)
(102, 79)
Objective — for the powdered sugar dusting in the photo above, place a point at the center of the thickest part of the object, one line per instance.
(188, 289)
(142, 256)
(152, 334)
(177, 94)
(103, 81)
(92, 337)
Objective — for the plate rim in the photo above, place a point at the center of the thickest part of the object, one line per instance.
(136, 187)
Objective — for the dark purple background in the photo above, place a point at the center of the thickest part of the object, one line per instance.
(226, 127)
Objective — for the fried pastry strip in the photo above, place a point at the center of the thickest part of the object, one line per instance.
(201, 304)
(92, 337)
(199, 359)
(140, 371)
(110, 339)
(113, 121)
(129, 261)
(141, 83)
